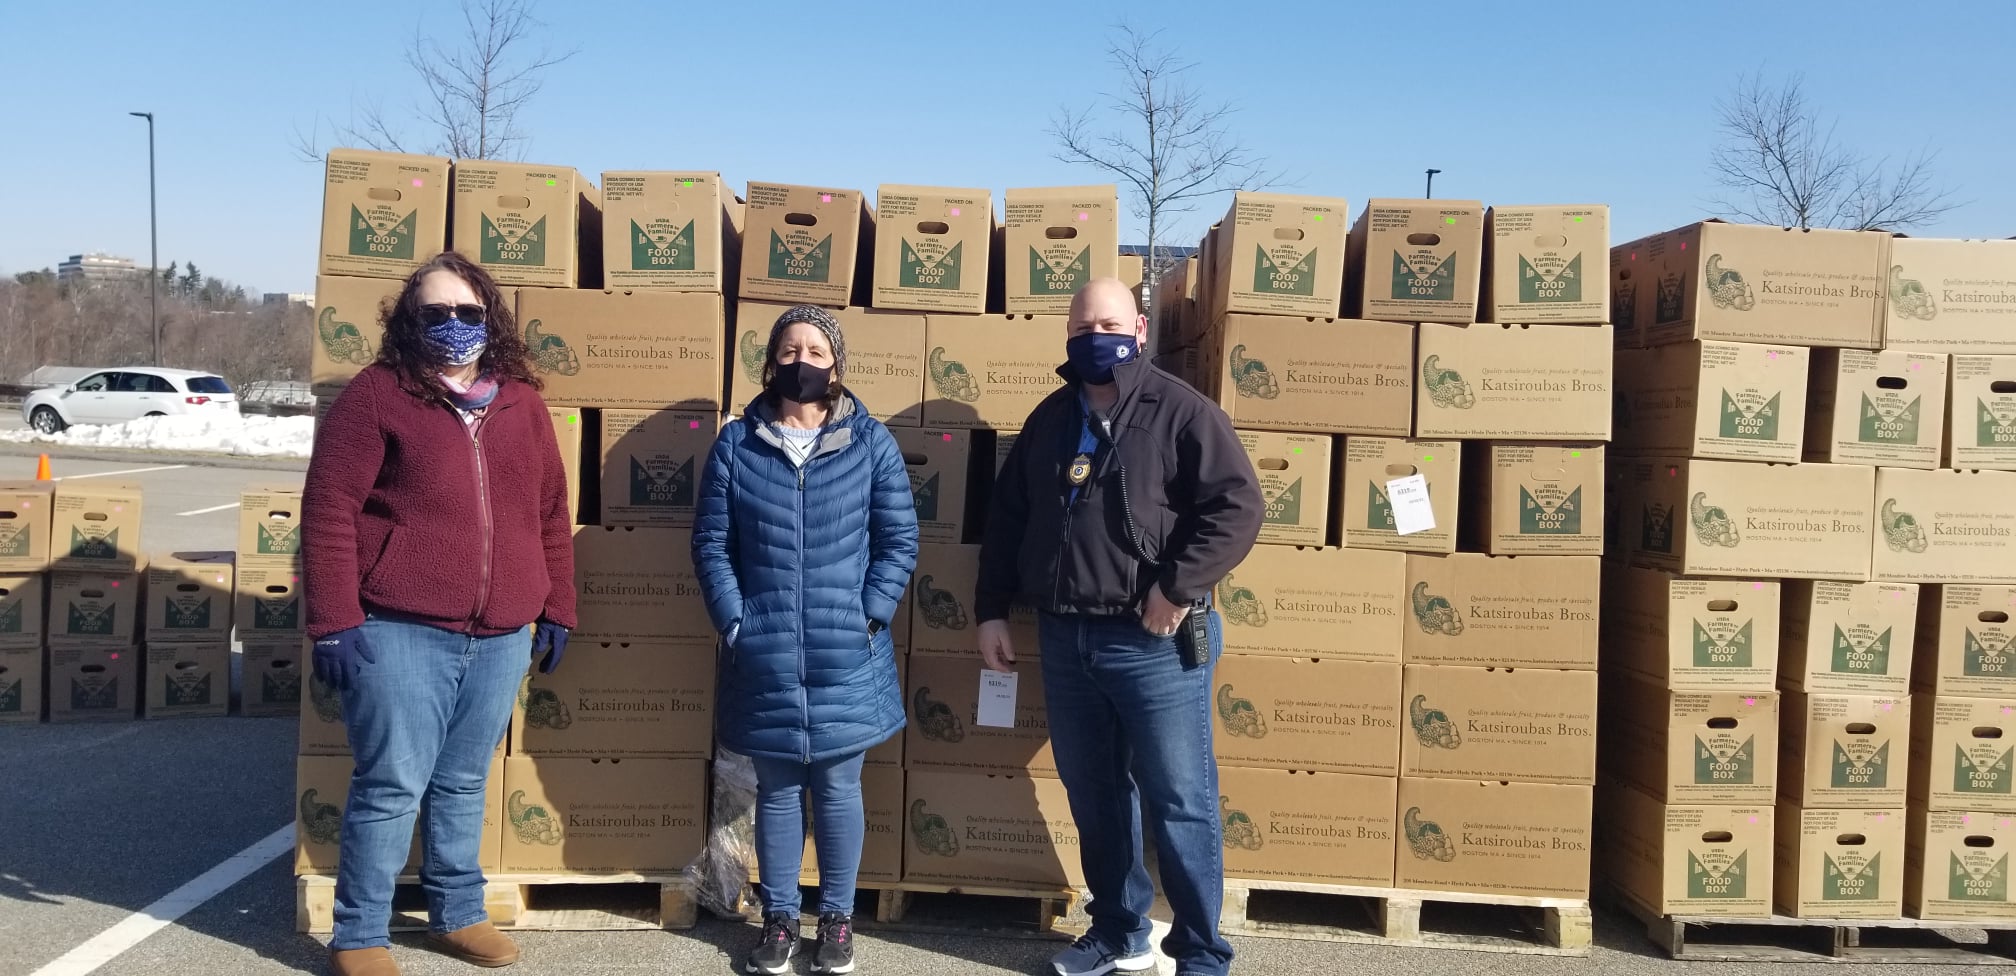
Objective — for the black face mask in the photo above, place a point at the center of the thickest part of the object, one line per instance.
(801, 382)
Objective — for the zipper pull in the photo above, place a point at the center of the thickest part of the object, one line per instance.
(801, 478)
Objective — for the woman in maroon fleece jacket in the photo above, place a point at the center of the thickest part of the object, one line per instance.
(435, 531)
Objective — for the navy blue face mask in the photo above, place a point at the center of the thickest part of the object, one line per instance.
(1093, 355)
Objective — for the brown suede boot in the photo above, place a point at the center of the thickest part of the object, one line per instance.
(376, 961)
(479, 944)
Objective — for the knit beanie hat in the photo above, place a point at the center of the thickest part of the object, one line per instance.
(820, 319)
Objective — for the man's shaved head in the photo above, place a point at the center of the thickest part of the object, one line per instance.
(1106, 305)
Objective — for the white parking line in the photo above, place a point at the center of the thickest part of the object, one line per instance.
(130, 931)
(108, 474)
(206, 511)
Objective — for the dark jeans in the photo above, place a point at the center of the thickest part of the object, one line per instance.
(1131, 729)
(425, 711)
(838, 827)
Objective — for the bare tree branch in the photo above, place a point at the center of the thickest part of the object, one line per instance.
(1781, 165)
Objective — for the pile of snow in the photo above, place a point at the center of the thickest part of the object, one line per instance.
(247, 435)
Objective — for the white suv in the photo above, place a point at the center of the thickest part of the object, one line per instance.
(115, 396)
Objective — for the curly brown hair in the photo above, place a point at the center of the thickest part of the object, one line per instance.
(408, 354)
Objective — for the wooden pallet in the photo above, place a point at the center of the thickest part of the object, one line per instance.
(1780, 938)
(1039, 913)
(1407, 918)
(557, 903)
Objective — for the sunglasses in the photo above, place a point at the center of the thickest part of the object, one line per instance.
(433, 315)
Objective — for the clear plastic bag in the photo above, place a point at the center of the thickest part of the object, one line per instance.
(720, 874)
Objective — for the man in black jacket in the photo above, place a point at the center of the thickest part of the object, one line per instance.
(1124, 501)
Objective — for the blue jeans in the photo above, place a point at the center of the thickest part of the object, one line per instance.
(1131, 730)
(425, 710)
(838, 826)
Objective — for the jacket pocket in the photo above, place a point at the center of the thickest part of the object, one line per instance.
(384, 549)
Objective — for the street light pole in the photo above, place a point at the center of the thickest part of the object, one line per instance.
(153, 242)
(1431, 183)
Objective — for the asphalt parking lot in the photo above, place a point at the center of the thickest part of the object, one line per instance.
(103, 828)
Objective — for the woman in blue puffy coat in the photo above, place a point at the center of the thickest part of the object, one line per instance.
(804, 539)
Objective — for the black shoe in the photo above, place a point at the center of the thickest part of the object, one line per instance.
(836, 945)
(780, 942)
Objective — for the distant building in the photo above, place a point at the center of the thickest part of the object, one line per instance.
(94, 267)
(290, 298)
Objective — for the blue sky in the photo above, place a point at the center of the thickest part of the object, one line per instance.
(1563, 102)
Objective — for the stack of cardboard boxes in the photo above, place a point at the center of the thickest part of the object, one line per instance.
(189, 607)
(26, 513)
(1784, 462)
(96, 574)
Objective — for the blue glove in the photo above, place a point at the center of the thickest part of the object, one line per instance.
(549, 639)
(336, 656)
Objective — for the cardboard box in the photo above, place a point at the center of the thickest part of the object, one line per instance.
(349, 329)
(1522, 725)
(383, 214)
(802, 244)
(941, 592)
(1884, 408)
(1949, 296)
(190, 597)
(1730, 518)
(1839, 863)
(322, 790)
(93, 684)
(1965, 642)
(1294, 472)
(270, 686)
(528, 223)
(1961, 753)
(617, 699)
(569, 431)
(943, 695)
(1946, 526)
(1957, 865)
(93, 608)
(1064, 237)
(97, 527)
(1473, 610)
(322, 732)
(1494, 838)
(1514, 382)
(26, 510)
(1417, 261)
(1981, 418)
(1372, 464)
(675, 230)
(1529, 499)
(603, 815)
(1546, 264)
(268, 605)
(990, 370)
(187, 680)
(1844, 751)
(1632, 285)
(1308, 714)
(1751, 283)
(885, 359)
(1688, 633)
(1319, 375)
(938, 461)
(651, 461)
(996, 831)
(1730, 400)
(1346, 604)
(269, 526)
(638, 585)
(1294, 246)
(931, 248)
(1318, 828)
(1688, 859)
(1691, 747)
(23, 610)
(1849, 638)
(21, 679)
(640, 350)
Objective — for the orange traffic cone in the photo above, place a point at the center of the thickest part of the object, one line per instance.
(42, 469)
